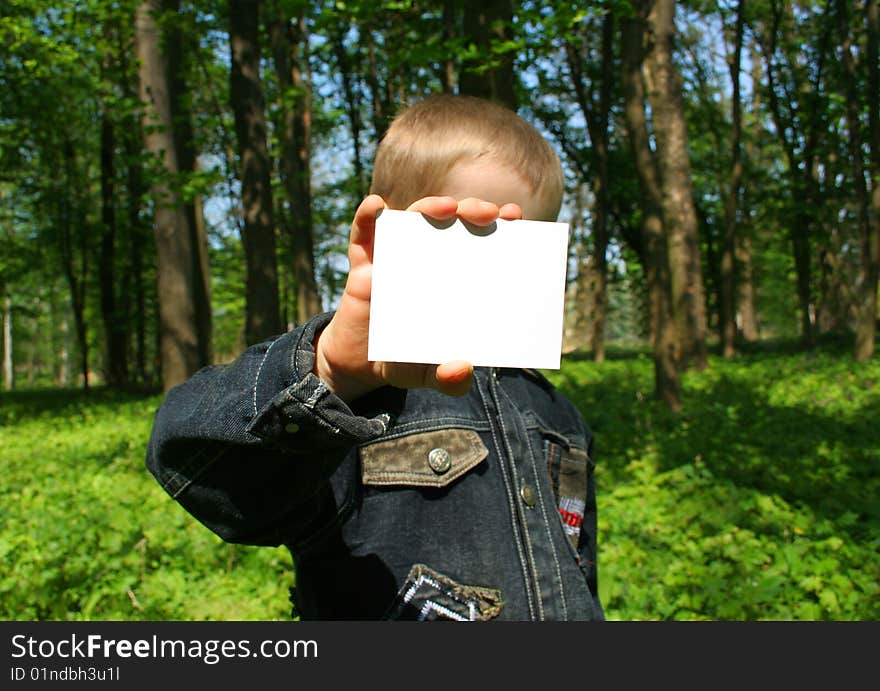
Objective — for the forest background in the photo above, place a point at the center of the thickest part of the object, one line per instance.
(176, 183)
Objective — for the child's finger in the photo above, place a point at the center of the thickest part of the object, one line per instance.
(440, 208)
(477, 211)
(363, 228)
(510, 212)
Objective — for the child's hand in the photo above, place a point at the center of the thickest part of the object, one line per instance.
(341, 348)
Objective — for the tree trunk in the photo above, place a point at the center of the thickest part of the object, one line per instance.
(135, 280)
(133, 295)
(289, 48)
(866, 299)
(72, 229)
(487, 23)
(601, 185)
(727, 311)
(666, 376)
(579, 299)
(64, 354)
(177, 45)
(175, 282)
(115, 323)
(800, 243)
(747, 312)
(597, 124)
(8, 371)
(866, 332)
(679, 216)
(746, 316)
(595, 112)
(261, 291)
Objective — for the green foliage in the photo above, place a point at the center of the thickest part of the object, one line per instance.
(758, 502)
(88, 534)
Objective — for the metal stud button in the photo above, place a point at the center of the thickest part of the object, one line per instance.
(439, 460)
(529, 496)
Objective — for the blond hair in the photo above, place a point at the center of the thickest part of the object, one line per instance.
(427, 139)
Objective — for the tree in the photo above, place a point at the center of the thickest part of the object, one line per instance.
(488, 28)
(115, 325)
(262, 316)
(175, 280)
(571, 54)
(727, 316)
(289, 41)
(595, 109)
(656, 253)
(746, 300)
(870, 239)
(664, 90)
(180, 45)
(8, 370)
(796, 100)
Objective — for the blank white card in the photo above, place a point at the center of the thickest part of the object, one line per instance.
(492, 296)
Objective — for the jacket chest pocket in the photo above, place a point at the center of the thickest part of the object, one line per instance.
(423, 459)
(570, 471)
(408, 473)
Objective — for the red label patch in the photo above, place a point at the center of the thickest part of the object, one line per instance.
(572, 512)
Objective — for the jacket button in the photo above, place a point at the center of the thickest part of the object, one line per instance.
(528, 495)
(439, 460)
(291, 428)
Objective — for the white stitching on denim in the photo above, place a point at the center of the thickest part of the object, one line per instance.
(510, 500)
(260, 369)
(191, 462)
(418, 427)
(179, 479)
(526, 535)
(201, 470)
(431, 424)
(549, 529)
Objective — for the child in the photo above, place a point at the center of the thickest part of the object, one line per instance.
(403, 491)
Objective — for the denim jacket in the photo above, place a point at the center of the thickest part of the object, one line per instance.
(402, 505)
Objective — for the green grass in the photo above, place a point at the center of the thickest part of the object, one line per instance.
(87, 534)
(760, 501)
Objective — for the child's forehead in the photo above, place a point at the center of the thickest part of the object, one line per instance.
(494, 181)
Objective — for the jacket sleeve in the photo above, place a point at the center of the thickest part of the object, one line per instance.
(247, 448)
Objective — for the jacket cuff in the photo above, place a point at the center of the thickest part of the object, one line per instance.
(297, 411)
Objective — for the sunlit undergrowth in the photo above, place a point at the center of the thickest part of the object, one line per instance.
(86, 533)
(760, 501)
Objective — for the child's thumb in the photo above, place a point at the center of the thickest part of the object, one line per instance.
(454, 378)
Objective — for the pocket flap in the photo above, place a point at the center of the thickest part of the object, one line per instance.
(425, 459)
